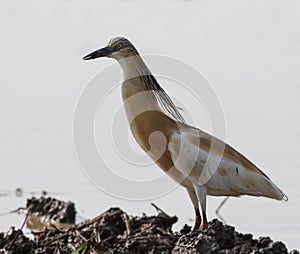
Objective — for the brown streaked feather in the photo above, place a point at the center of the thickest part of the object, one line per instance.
(229, 153)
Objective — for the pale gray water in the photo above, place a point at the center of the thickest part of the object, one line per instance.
(248, 50)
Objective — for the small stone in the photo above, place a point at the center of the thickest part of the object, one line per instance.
(294, 252)
(264, 241)
(186, 229)
(278, 248)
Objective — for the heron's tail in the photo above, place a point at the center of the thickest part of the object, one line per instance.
(273, 191)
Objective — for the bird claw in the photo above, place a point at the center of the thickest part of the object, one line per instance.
(203, 226)
(194, 230)
(197, 230)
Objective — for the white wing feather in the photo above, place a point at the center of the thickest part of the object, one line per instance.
(221, 175)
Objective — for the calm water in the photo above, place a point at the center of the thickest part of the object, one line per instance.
(248, 50)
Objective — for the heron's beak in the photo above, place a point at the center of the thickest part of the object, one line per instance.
(99, 53)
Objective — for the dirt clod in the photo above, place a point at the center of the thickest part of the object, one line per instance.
(52, 209)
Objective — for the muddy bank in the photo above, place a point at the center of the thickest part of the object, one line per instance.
(114, 231)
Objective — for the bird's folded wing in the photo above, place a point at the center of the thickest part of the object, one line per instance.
(208, 161)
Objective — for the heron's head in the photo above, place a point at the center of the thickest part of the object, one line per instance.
(117, 48)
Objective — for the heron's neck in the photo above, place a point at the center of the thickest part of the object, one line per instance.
(132, 67)
(134, 91)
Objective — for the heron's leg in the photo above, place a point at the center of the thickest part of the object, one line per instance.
(197, 220)
(201, 195)
(204, 224)
(219, 208)
(195, 202)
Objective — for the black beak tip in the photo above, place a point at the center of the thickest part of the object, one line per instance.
(87, 57)
(98, 53)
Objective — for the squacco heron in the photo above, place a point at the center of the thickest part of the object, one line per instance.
(182, 151)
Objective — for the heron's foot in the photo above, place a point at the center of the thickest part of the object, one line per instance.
(196, 227)
(204, 225)
(194, 230)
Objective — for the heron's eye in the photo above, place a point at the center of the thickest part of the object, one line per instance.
(119, 46)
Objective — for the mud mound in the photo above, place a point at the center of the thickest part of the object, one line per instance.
(114, 231)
